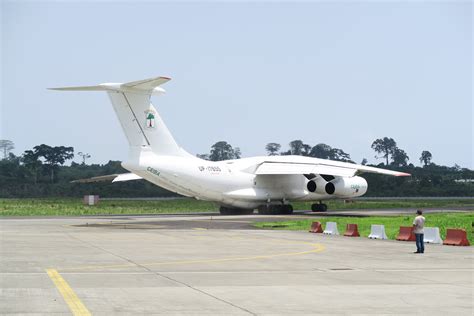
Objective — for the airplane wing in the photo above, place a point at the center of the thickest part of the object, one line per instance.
(328, 167)
(117, 177)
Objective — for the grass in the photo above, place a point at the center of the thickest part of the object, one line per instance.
(388, 204)
(392, 223)
(75, 207)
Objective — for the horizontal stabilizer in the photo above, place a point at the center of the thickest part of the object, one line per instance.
(110, 177)
(146, 86)
(83, 88)
(126, 177)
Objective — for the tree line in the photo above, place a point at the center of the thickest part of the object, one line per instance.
(385, 147)
(41, 171)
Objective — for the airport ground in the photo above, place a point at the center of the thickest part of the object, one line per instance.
(214, 265)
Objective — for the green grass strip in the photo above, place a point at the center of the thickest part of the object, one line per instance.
(75, 207)
(392, 223)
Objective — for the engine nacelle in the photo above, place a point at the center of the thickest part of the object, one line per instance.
(316, 185)
(347, 187)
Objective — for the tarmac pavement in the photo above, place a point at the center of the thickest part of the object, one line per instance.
(195, 265)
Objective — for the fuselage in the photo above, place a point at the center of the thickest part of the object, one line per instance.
(232, 182)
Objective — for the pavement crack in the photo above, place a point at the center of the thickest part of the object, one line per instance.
(200, 291)
(162, 275)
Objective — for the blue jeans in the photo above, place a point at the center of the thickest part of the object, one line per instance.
(420, 246)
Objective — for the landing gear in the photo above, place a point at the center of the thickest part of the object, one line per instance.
(319, 207)
(234, 211)
(275, 209)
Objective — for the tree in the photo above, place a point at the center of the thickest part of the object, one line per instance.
(385, 146)
(237, 153)
(272, 149)
(32, 163)
(203, 156)
(84, 156)
(54, 156)
(6, 146)
(425, 158)
(400, 158)
(223, 151)
(306, 150)
(322, 151)
(296, 147)
(340, 155)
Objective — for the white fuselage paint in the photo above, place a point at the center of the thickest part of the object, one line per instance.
(244, 183)
(231, 182)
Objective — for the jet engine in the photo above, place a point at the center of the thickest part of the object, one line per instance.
(316, 184)
(347, 187)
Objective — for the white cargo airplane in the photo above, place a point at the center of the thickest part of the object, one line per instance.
(238, 186)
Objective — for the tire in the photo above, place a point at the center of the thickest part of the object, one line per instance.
(319, 207)
(288, 209)
(263, 210)
(315, 207)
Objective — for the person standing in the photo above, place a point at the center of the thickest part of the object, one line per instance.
(418, 225)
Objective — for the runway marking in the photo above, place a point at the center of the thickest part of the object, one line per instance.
(74, 303)
(316, 248)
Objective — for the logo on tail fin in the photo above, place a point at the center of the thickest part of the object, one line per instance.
(150, 119)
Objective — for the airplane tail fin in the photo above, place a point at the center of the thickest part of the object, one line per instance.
(140, 120)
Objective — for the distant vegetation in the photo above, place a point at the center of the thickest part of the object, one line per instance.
(41, 172)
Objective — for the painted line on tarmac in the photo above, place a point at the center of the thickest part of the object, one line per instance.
(316, 248)
(74, 303)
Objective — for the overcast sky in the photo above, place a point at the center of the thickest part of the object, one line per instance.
(341, 73)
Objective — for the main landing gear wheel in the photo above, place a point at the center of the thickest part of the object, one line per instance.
(275, 209)
(319, 207)
(234, 211)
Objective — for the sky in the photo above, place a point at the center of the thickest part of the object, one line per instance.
(249, 73)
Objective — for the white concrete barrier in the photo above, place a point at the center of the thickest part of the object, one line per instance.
(432, 235)
(377, 232)
(331, 228)
(91, 199)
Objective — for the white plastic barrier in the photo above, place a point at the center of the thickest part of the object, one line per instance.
(377, 232)
(91, 199)
(331, 228)
(432, 235)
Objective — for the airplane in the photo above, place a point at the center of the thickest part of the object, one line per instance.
(239, 186)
